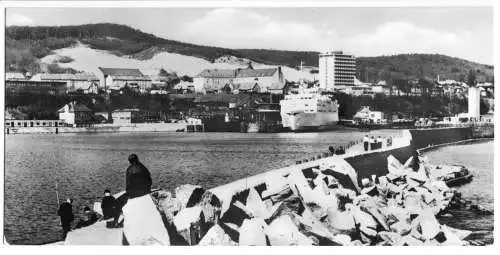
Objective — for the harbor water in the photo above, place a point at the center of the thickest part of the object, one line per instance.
(83, 165)
(478, 158)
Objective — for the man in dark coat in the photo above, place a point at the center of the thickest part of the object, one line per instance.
(138, 178)
(66, 213)
(109, 208)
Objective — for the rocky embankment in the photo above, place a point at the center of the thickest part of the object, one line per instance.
(316, 206)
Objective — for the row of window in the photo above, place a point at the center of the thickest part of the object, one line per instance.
(33, 124)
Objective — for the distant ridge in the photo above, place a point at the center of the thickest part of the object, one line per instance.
(26, 45)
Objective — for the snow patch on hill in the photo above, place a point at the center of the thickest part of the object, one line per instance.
(88, 60)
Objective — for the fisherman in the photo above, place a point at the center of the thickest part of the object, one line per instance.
(65, 212)
(109, 208)
(142, 220)
(89, 217)
(366, 142)
(372, 143)
(138, 180)
(389, 141)
(416, 161)
(332, 150)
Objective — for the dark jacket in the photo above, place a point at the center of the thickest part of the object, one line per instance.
(66, 213)
(138, 180)
(90, 219)
(109, 207)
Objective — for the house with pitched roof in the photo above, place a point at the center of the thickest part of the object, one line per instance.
(74, 82)
(75, 113)
(117, 78)
(248, 79)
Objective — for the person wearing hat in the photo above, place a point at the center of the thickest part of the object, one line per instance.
(65, 212)
(138, 180)
(109, 208)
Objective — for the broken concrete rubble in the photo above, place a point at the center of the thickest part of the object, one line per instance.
(315, 206)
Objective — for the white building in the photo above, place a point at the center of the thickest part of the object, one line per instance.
(75, 114)
(336, 68)
(474, 100)
(125, 117)
(215, 80)
(74, 82)
(368, 116)
(117, 78)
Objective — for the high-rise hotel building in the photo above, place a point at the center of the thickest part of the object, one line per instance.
(336, 68)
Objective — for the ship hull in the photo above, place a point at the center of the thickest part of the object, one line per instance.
(318, 121)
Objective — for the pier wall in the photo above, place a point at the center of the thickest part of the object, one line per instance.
(375, 163)
(101, 128)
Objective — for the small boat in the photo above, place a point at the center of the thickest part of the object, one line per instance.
(459, 176)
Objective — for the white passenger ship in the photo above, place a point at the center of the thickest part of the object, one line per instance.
(309, 110)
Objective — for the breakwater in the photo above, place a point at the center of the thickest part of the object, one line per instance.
(365, 163)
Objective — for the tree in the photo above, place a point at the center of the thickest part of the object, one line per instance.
(471, 78)
(163, 72)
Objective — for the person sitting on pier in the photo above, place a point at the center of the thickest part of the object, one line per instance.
(65, 211)
(372, 143)
(366, 142)
(332, 150)
(138, 181)
(89, 217)
(109, 208)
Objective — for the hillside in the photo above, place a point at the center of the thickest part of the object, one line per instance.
(26, 46)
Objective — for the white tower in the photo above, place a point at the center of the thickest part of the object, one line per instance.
(474, 100)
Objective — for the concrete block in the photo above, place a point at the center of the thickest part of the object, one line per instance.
(217, 236)
(428, 223)
(253, 232)
(190, 223)
(143, 224)
(184, 192)
(282, 231)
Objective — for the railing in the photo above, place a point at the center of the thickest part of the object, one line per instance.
(342, 149)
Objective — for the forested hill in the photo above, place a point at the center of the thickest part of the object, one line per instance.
(25, 45)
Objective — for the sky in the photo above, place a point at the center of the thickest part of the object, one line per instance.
(464, 32)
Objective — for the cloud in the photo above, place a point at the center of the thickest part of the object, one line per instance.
(402, 36)
(18, 20)
(240, 28)
(396, 37)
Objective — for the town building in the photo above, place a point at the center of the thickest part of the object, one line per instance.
(336, 68)
(268, 80)
(118, 78)
(74, 82)
(365, 115)
(35, 87)
(75, 114)
(124, 117)
(13, 76)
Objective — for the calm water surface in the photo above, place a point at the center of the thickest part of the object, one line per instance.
(478, 158)
(86, 164)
